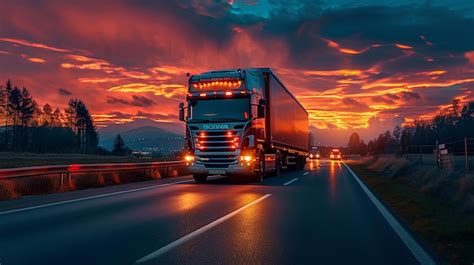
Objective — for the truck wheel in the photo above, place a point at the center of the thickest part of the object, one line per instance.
(200, 178)
(260, 175)
(300, 162)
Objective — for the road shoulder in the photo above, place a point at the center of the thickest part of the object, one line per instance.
(446, 231)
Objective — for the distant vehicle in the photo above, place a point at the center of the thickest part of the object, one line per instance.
(242, 122)
(314, 153)
(335, 154)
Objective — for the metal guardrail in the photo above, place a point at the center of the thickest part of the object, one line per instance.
(10, 173)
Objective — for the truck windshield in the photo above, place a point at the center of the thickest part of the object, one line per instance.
(219, 110)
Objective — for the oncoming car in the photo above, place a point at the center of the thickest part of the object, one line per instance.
(335, 154)
(314, 153)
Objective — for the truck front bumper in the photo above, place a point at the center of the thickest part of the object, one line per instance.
(231, 170)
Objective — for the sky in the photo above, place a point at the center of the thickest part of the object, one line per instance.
(357, 66)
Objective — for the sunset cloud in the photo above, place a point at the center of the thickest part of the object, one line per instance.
(470, 56)
(404, 47)
(350, 73)
(32, 44)
(166, 90)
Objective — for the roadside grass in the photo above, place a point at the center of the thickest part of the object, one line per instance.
(444, 226)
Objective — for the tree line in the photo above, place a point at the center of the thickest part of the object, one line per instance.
(27, 127)
(451, 124)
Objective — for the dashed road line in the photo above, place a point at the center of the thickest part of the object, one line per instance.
(291, 181)
(199, 231)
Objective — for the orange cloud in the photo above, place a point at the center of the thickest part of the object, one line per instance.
(470, 56)
(98, 80)
(436, 72)
(166, 90)
(341, 72)
(32, 44)
(337, 46)
(89, 66)
(403, 46)
(167, 69)
(340, 119)
(36, 60)
(80, 58)
(32, 59)
(441, 84)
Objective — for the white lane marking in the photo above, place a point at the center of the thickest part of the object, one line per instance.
(419, 253)
(291, 181)
(199, 231)
(91, 197)
(306, 173)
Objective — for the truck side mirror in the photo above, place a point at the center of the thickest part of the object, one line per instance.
(181, 111)
(261, 108)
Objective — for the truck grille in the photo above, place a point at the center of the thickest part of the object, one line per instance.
(216, 149)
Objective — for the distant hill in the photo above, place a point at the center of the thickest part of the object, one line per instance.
(145, 135)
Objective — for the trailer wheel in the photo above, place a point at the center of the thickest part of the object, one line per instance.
(200, 178)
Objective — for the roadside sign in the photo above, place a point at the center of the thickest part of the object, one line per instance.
(444, 151)
(442, 146)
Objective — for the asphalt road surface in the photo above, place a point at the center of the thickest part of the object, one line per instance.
(321, 215)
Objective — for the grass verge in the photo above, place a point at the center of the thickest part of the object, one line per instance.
(447, 230)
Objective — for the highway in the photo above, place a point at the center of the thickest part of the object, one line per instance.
(320, 215)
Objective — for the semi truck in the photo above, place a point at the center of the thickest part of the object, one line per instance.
(242, 122)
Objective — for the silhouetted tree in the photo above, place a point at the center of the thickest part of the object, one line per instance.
(119, 146)
(27, 127)
(80, 121)
(363, 148)
(354, 143)
(451, 124)
(4, 113)
(14, 109)
(27, 107)
(47, 115)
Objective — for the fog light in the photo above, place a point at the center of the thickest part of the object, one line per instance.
(246, 158)
(189, 158)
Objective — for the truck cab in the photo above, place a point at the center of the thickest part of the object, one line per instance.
(226, 115)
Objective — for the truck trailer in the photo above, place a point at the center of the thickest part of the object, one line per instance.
(242, 122)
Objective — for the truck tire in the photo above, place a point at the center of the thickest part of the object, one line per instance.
(200, 178)
(260, 174)
(300, 162)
